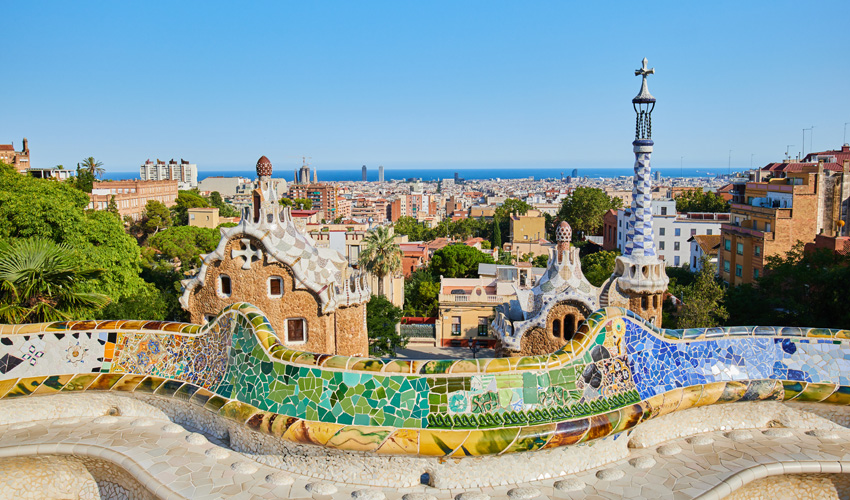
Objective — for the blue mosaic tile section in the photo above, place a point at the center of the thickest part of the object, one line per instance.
(659, 366)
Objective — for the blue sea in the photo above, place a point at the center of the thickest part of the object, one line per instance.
(428, 174)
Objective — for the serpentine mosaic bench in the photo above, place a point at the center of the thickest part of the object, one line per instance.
(617, 372)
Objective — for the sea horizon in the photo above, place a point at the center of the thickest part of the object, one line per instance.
(468, 173)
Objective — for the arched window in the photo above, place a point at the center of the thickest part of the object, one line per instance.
(556, 328)
(644, 302)
(296, 331)
(224, 285)
(655, 301)
(275, 286)
(569, 326)
(256, 202)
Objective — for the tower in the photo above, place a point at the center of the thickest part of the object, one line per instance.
(640, 276)
(364, 173)
(380, 173)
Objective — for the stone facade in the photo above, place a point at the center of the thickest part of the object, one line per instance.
(314, 301)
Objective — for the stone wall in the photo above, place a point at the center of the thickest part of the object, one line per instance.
(351, 332)
(252, 286)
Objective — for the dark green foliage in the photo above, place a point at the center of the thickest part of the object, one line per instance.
(703, 300)
(185, 244)
(297, 203)
(497, 234)
(186, 200)
(83, 181)
(585, 208)
(155, 217)
(540, 261)
(421, 294)
(112, 207)
(698, 201)
(458, 261)
(597, 267)
(224, 209)
(382, 317)
(42, 281)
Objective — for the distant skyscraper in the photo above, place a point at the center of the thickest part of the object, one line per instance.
(456, 177)
(575, 173)
(380, 173)
(364, 173)
(657, 176)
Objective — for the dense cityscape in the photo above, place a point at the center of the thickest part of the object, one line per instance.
(561, 324)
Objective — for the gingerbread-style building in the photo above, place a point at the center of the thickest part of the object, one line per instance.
(315, 301)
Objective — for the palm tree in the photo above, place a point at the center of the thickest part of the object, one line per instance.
(40, 281)
(381, 256)
(94, 167)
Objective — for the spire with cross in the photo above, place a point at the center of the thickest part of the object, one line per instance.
(639, 238)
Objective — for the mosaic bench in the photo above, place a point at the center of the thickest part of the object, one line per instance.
(617, 372)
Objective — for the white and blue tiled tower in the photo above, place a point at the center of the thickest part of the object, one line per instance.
(639, 274)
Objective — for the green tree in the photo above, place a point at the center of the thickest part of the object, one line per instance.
(93, 167)
(584, 209)
(413, 229)
(185, 244)
(83, 181)
(224, 209)
(381, 255)
(540, 261)
(112, 207)
(702, 300)
(696, 200)
(57, 211)
(42, 281)
(186, 200)
(598, 266)
(511, 206)
(421, 294)
(497, 233)
(303, 203)
(458, 261)
(155, 217)
(382, 318)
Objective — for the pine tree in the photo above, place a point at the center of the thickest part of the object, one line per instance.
(497, 234)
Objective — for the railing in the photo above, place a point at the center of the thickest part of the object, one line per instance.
(490, 299)
(427, 331)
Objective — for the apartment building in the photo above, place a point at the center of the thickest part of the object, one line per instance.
(467, 305)
(324, 197)
(132, 196)
(185, 173)
(796, 203)
(671, 230)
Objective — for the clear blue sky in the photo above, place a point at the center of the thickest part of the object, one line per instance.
(471, 83)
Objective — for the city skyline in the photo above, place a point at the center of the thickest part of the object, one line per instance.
(473, 85)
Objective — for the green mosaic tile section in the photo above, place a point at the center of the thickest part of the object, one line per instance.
(348, 398)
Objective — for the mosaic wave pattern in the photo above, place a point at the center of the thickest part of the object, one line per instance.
(616, 372)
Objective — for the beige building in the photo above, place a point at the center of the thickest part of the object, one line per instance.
(528, 227)
(18, 159)
(204, 217)
(314, 300)
(132, 196)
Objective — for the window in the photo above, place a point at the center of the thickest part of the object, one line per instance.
(661, 245)
(757, 250)
(569, 326)
(739, 270)
(655, 298)
(675, 246)
(275, 286)
(556, 328)
(676, 261)
(755, 225)
(767, 227)
(455, 325)
(224, 285)
(740, 249)
(677, 232)
(694, 265)
(755, 273)
(663, 210)
(708, 232)
(727, 244)
(644, 302)
(296, 331)
(482, 327)
(662, 231)
(693, 232)
(726, 266)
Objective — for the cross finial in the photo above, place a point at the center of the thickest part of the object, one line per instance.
(644, 70)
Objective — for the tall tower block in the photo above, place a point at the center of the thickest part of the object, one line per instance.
(639, 275)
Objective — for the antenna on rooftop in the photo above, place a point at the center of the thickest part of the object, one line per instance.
(789, 146)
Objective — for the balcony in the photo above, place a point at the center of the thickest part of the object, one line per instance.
(745, 231)
(475, 299)
(779, 213)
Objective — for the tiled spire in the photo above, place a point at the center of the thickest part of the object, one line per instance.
(639, 240)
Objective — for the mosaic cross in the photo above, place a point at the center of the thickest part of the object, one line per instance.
(248, 252)
(644, 71)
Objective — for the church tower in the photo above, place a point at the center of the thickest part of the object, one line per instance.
(640, 278)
